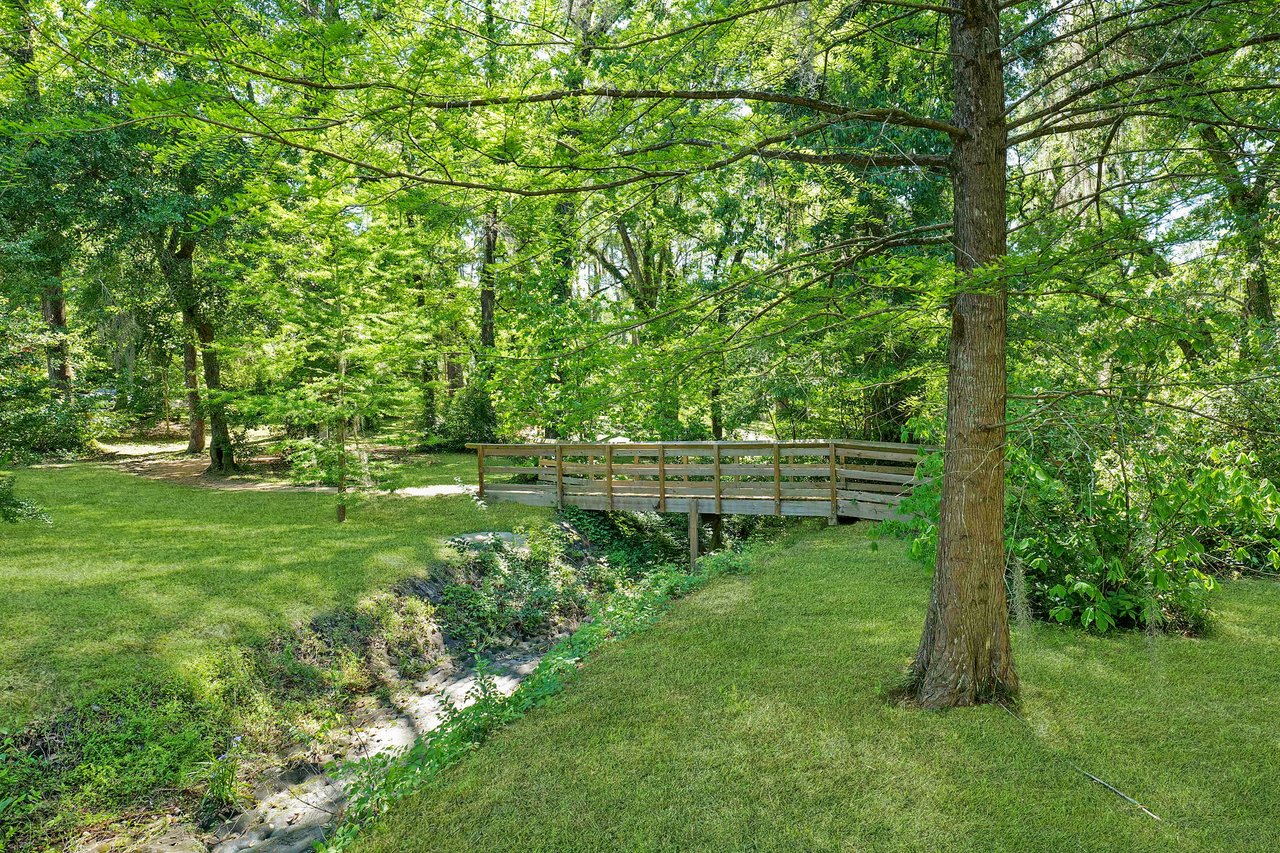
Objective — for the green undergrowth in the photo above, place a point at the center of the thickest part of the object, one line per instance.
(193, 743)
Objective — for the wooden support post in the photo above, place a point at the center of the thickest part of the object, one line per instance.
(835, 503)
(480, 468)
(777, 479)
(716, 470)
(693, 533)
(662, 478)
(559, 475)
(608, 474)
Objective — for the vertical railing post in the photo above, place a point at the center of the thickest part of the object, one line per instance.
(559, 475)
(835, 501)
(693, 533)
(480, 468)
(608, 473)
(777, 479)
(662, 477)
(716, 470)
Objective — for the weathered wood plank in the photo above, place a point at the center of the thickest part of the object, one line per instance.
(693, 534)
(905, 478)
(717, 480)
(831, 475)
(777, 480)
(847, 453)
(662, 478)
(515, 449)
(512, 469)
(559, 476)
(608, 475)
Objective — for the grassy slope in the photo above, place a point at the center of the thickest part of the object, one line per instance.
(427, 469)
(137, 576)
(748, 718)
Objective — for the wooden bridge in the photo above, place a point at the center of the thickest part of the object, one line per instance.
(832, 479)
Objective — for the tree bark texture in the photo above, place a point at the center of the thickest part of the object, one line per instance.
(964, 656)
(221, 454)
(190, 377)
(488, 297)
(53, 307)
(1257, 290)
(427, 380)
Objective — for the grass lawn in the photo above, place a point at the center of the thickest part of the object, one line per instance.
(138, 577)
(748, 719)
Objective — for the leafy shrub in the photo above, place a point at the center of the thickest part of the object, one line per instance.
(470, 418)
(35, 428)
(1142, 550)
(504, 593)
(1111, 551)
(12, 508)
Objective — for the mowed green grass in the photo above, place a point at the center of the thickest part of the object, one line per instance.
(137, 577)
(750, 718)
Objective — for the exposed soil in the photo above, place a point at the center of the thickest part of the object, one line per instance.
(168, 462)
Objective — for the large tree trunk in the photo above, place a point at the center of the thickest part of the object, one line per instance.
(221, 456)
(964, 655)
(1247, 201)
(1257, 291)
(452, 372)
(195, 418)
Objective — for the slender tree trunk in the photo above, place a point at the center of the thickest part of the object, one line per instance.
(488, 298)
(1247, 201)
(430, 368)
(221, 455)
(563, 263)
(964, 655)
(190, 377)
(427, 380)
(715, 391)
(53, 305)
(340, 511)
(165, 403)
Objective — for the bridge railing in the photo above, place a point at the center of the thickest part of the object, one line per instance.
(862, 479)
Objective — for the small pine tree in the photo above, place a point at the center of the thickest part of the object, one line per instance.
(470, 418)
